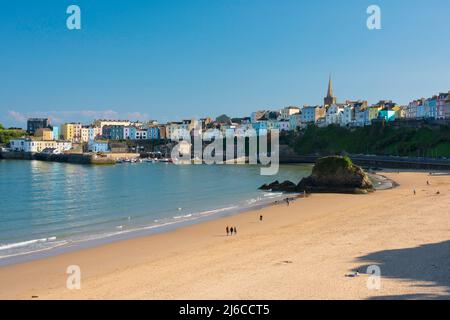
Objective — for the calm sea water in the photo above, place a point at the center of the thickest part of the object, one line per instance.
(45, 205)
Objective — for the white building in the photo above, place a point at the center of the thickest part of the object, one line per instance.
(102, 123)
(310, 114)
(348, 117)
(29, 145)
(287, 112)
(177, 131)
(84, 134)
(334, 114)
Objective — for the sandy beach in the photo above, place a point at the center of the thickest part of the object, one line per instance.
(308, 250)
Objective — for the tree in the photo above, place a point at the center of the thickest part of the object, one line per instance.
(7, 134)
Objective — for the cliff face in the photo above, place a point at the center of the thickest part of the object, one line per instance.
(330, 175)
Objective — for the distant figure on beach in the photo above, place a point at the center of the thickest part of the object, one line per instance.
(228, 231)
(260, 218)
(414, 191)
(287, 201)
(231, 231)
(235, 230)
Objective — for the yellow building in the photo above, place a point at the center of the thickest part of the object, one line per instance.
(373, 112)
(67, 131)
(400, 112)
(44, 134)
(71, 132)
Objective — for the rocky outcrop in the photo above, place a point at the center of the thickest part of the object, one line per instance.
(268, 187)
(286, 186)
(330, 175)
(336, 175)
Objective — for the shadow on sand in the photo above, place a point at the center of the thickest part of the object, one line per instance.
(428, 264)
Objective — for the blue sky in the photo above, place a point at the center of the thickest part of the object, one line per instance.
(174, 59)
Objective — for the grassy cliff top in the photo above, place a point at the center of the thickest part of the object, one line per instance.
(400, 140)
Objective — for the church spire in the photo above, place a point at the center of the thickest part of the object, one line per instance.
(330, 98)
(330, 88)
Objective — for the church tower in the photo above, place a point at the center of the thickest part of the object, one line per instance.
(329, 99)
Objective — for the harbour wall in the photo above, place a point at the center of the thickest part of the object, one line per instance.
(75, 158)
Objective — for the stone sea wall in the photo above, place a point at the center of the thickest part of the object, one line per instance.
(74, 158)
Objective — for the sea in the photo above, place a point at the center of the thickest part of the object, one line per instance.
(47, 208)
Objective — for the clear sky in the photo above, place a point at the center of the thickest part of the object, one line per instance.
(174, 59)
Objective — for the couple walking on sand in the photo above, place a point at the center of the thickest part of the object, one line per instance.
(231, 230)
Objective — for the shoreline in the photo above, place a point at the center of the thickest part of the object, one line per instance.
(296, 252)
(96, 240)
(393, 162)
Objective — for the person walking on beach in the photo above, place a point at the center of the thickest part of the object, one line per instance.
(235, 230)
(228, 231)
(231, 231)
(414, 191)
(260, 218)
(287, 201)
